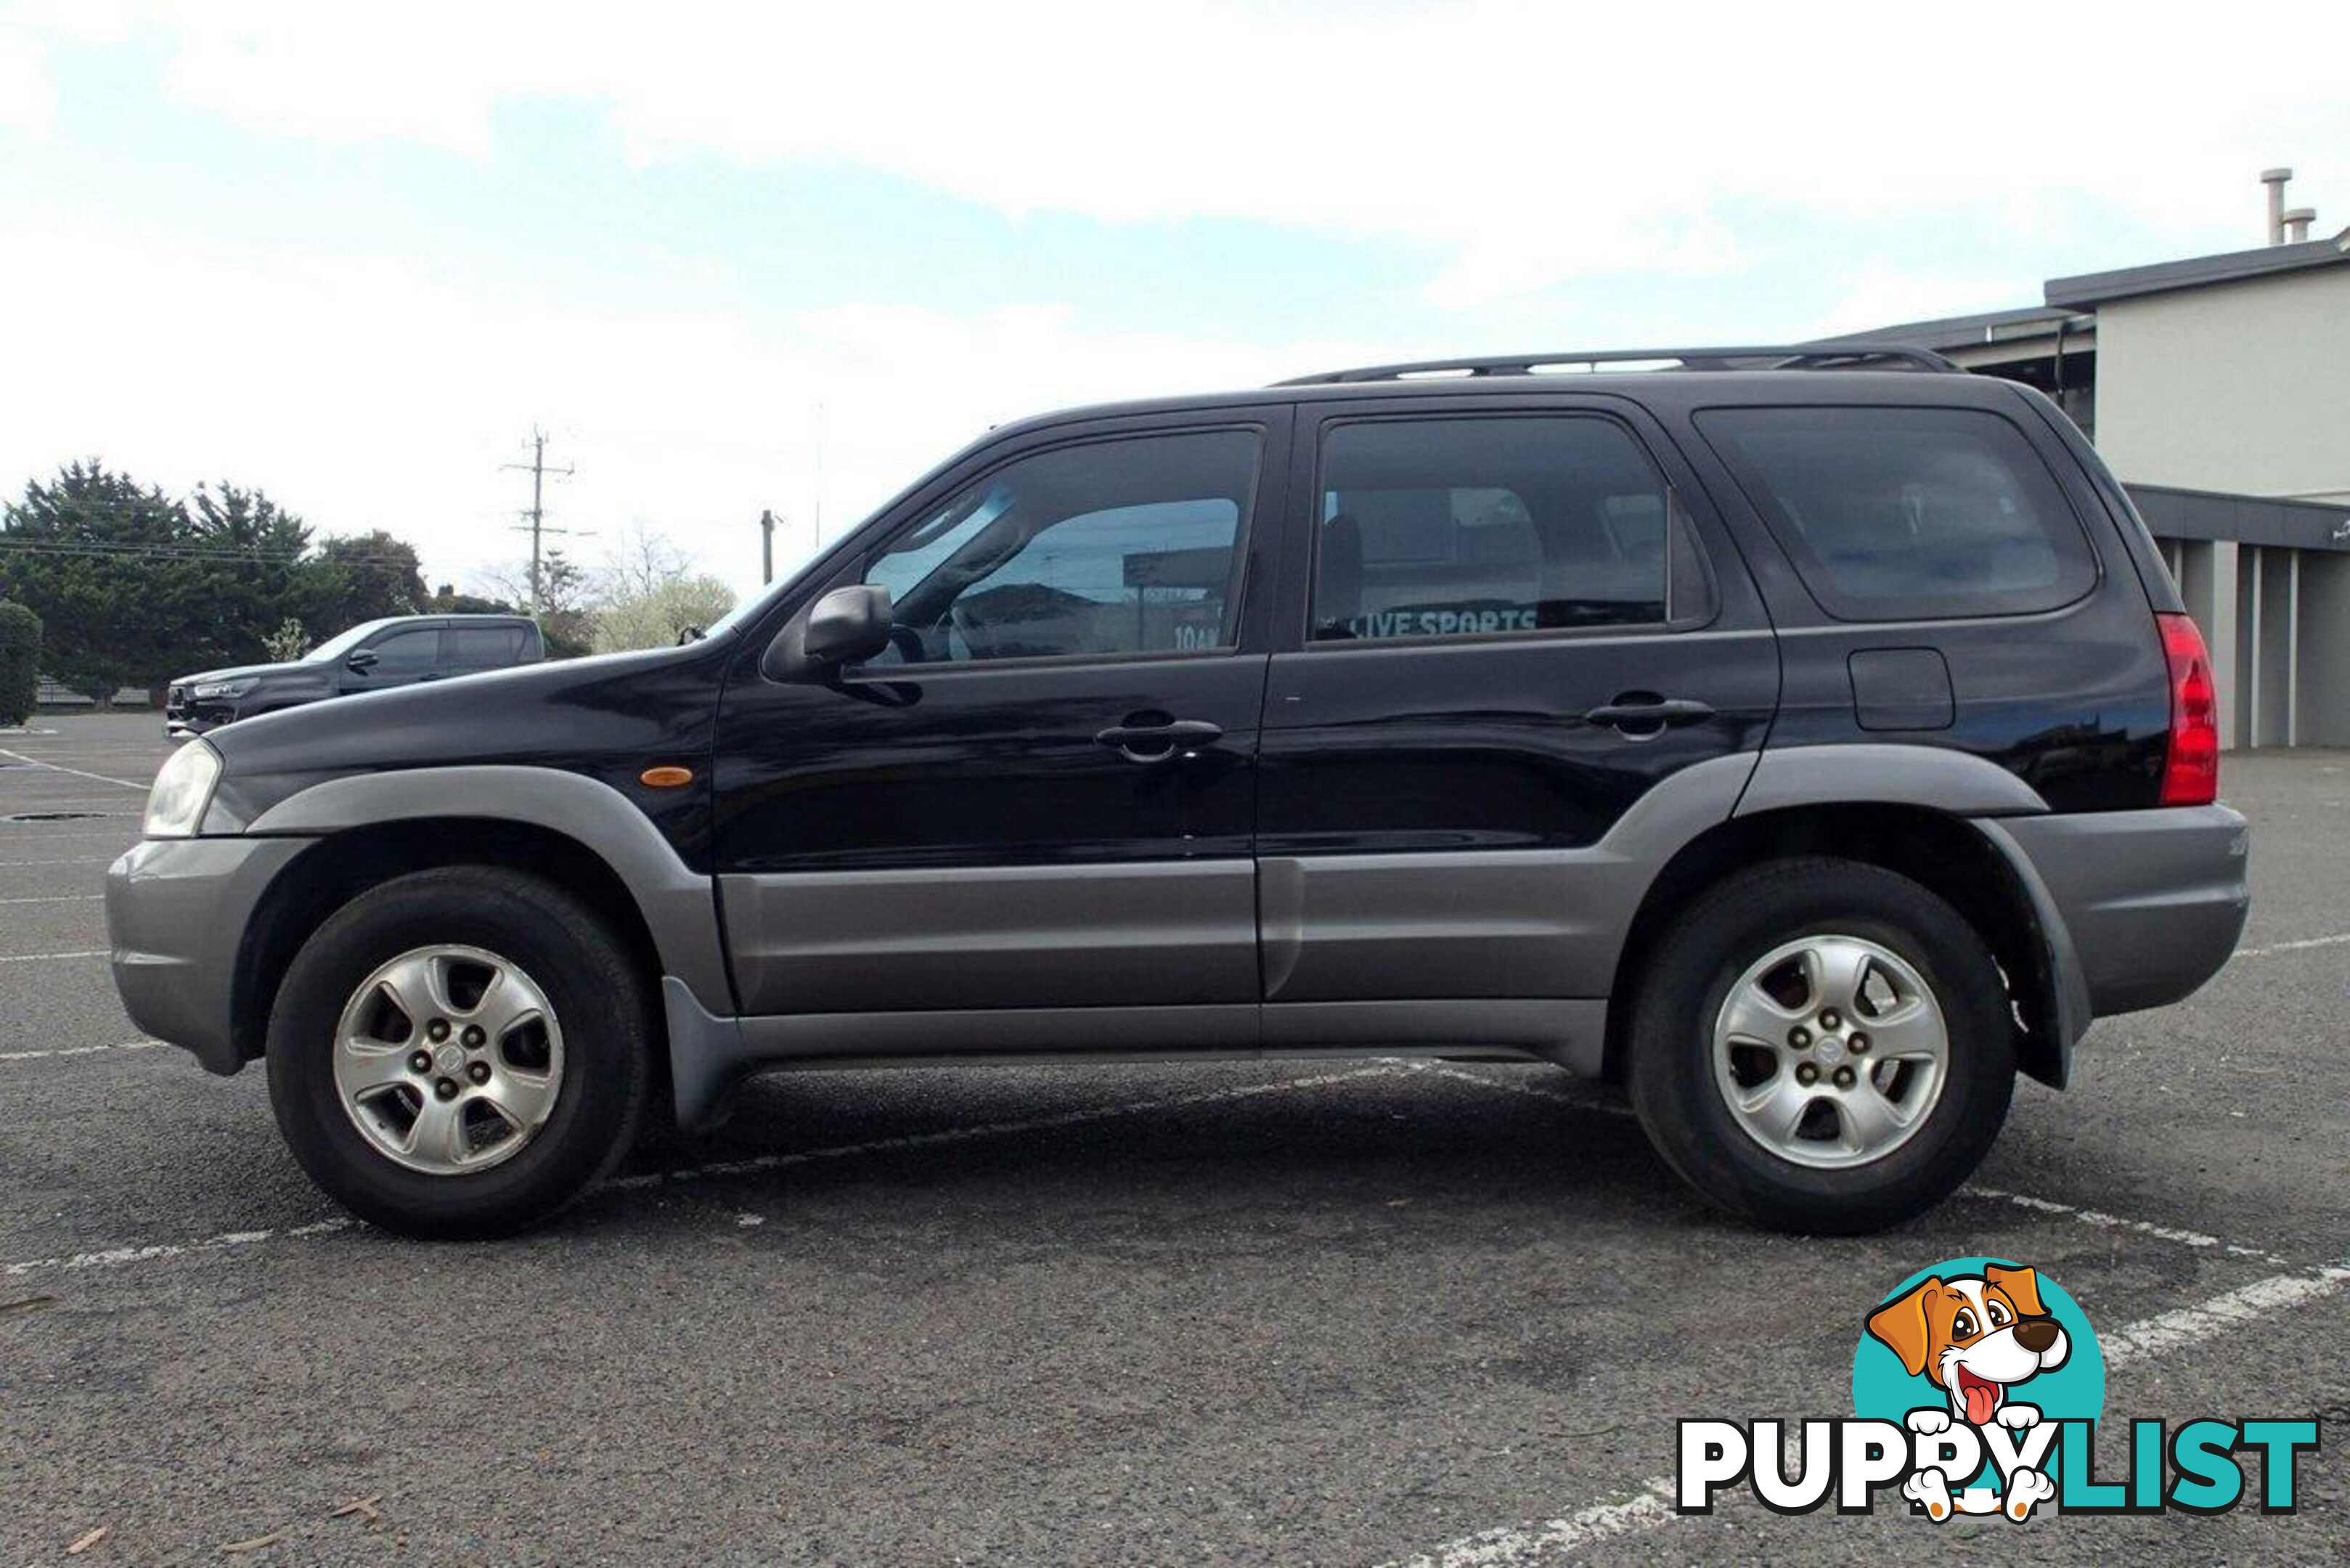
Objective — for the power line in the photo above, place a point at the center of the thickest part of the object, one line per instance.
(190, 552)
(537, 512)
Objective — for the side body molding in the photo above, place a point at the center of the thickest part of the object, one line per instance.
(680, 906)
(1479, 923)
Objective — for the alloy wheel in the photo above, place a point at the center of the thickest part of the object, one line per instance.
(448, 1059)
(1831, 1050)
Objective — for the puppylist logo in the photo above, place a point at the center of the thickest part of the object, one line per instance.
(1977, 1389)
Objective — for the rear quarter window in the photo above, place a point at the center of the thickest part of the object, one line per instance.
(1907, 513)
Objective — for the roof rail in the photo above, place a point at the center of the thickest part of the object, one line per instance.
(1828, 356)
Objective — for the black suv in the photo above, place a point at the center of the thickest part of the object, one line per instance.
(1809, 740)
(399, 651)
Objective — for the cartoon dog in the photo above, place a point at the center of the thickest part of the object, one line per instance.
(1974, 1338)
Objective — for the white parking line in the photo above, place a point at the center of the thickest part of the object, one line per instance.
(2306, 942)
(1650, 1503)
(37, 958)
(80, 1050)
(1588, 1100)
(31, 834)
(60, 768)
(2239, 1308)
(2116, 1222)
(115, 1256)
(1558, 1088)
(59, 898)
(86, 860)
(999, 1129)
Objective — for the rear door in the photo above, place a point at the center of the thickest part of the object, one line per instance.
(466, 650)
(1519, 620)
(1041, 796)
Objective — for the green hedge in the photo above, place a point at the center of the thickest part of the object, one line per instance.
(20, 663)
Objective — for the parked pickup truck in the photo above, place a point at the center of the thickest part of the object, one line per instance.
(375, 657)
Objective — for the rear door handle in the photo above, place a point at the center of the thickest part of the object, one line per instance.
(1157, 743)
(1645, 715)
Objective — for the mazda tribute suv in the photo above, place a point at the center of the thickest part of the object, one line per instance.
(1807, 740)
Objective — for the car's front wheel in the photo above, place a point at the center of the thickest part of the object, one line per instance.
(1823, 1045)
(460, 1052)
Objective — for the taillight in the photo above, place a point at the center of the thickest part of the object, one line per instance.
(2190, 777)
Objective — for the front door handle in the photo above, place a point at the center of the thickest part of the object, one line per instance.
(1640, 715)
(1157, 743)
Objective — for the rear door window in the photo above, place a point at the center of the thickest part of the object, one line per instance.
(483, 648)
(1472, 526)
(1909, 514)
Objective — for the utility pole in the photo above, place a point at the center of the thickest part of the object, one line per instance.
(817, 508)
(766, 544)
(537, 512)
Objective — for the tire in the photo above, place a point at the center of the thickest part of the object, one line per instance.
(1690, 1059)
(574, 1071)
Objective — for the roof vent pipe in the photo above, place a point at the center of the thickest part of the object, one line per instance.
(2274, 179)
(2296, 224)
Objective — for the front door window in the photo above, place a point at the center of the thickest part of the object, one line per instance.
(1106, 549)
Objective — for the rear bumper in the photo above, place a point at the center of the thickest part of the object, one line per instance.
(176, 913)
(2150, 903)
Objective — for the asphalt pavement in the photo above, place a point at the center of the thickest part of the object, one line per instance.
(1331, 1311)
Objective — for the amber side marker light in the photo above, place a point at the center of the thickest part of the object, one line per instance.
(666, 778)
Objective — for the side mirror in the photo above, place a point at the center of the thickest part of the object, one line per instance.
(845, 626)
(362, 661)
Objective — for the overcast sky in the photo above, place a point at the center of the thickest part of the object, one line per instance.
(352, 254)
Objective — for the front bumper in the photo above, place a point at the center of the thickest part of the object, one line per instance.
(2151, 903)
(184, 716)
(176, 913)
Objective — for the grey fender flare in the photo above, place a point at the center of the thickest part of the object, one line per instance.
(2074, 1010)
(1948, 780)
(680, 906)
(1966, 787)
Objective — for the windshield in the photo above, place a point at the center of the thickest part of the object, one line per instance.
(750, 605)
(335, 646)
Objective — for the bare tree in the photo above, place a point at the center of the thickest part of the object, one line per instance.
(669, 614)
(649, 595)
(641, 562)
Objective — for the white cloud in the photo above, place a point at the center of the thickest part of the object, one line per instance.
(1516, 145)
(1882, 296)
(27, 102)
(367, 393)
(1528, 141)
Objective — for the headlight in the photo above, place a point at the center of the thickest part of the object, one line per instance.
(211, 688)
(182, 790)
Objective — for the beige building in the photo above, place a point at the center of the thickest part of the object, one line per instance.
(2219, 388)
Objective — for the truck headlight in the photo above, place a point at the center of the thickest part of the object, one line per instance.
(214, 689)
(183, 789)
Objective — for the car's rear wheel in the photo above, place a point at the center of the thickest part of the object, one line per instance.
(1823, 1045)
(460, 1052)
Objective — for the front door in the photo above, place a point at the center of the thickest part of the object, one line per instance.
(1519, 625)
(399, 657)
(1042, 795)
